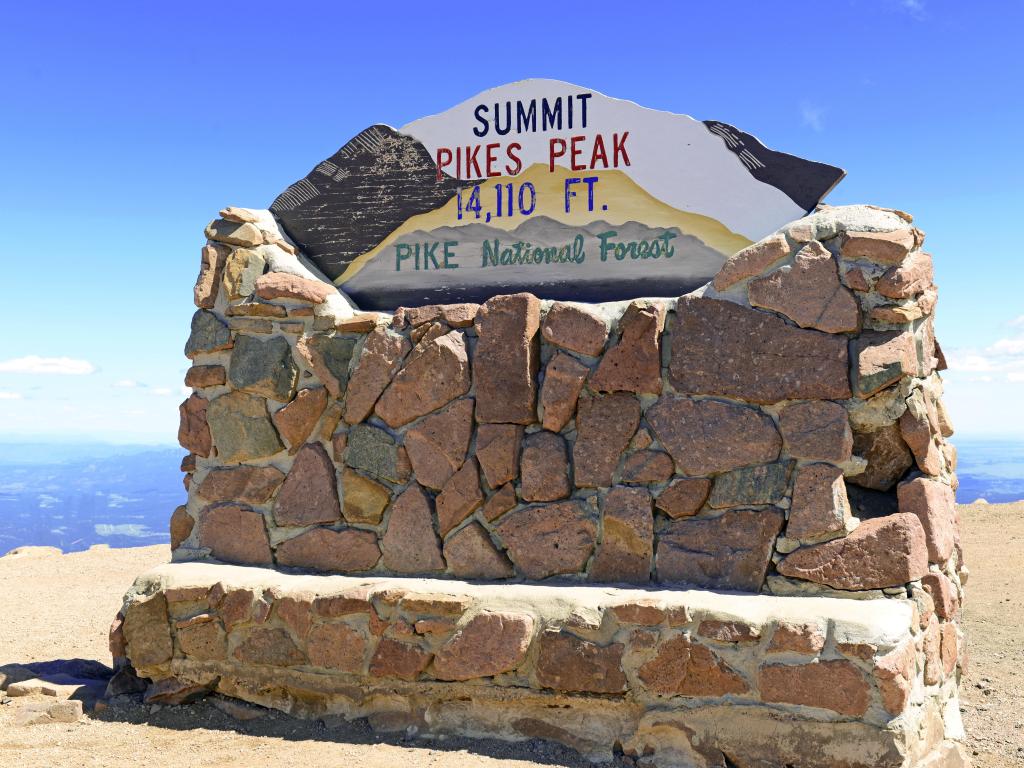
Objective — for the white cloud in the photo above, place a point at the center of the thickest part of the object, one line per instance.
(67, 366)
(812, 115)
(160, 391)
(916, 8)
(1017, 322)
(126, 383)
(9, 395)
(1005, 355)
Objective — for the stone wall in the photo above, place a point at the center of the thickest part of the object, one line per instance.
(779, 432)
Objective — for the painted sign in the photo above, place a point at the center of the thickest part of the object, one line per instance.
(546, 187)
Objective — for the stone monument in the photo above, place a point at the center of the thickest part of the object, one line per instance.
(555, 417)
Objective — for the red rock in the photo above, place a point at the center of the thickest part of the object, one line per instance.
(949, 647)
(471, 554)
(401, 660)
(115, 639)
(321, 549)
(181, 526)
(242, 484)
(211, 268)
(455, 315)
(728, 631)
(576, 327)
(193, 431)
(410, 544)
(809, 292)
(882, 552)
(364, 500)
(920, 431)
(295, 421)
(309, 494)
(294, 611)
(202, 638)
(235, 534)
(460, 497)
(147, 634)
(646, 612)
(752, 260)
(489, 644)
(429, 380)
(912, 276)
(684, 668)
(887, 455)
(818, 430)
(835, 685)
(438, 444)
(820, 506)
(731, 551)
(506, 359)
(895, 674)
(721, 348)
(280, 285)
(604, 426)
(797, 638)
(563, 381)
(627, 543)
(336, 646)
(684, 497)
(381, 358)
(271, 647)
(707, 436)
(434, 603)
(932, 652)
(199, 376)
(500, 502)
(497, 450)
(882, 358)
(361, 322)
(568, 663)
(857, 280)
(549, 539)
(933, 503)
(545, 468)
(634, 364)
(647, 468)
(459, 315)
(943, 594)
(881, 247)
(339, 442)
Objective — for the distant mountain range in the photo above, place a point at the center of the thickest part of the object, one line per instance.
(75, 495)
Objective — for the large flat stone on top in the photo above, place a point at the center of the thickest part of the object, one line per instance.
(506, 360)
(721, 348)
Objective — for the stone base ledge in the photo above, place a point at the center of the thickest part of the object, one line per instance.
(674, 678)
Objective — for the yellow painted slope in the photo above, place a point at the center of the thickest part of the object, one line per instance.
(626, 201)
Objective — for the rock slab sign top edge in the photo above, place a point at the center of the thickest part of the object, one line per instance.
(400, 218)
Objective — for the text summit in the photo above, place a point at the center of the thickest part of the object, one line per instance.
(477, 161)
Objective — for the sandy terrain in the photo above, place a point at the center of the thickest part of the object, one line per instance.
(59, 607)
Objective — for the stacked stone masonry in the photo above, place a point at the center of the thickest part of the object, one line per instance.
(779, 432)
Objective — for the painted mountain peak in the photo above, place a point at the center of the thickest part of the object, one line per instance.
(405, 216)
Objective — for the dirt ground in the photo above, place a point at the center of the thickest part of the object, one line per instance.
(58, 607)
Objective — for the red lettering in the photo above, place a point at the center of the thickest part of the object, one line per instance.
(473, 162)
(575, 152)
(619, 146)
(560, 143)
(599, 153)
(510, 151)
(444, 157)
(492, 158)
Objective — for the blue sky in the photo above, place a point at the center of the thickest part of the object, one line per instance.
(125, 127)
